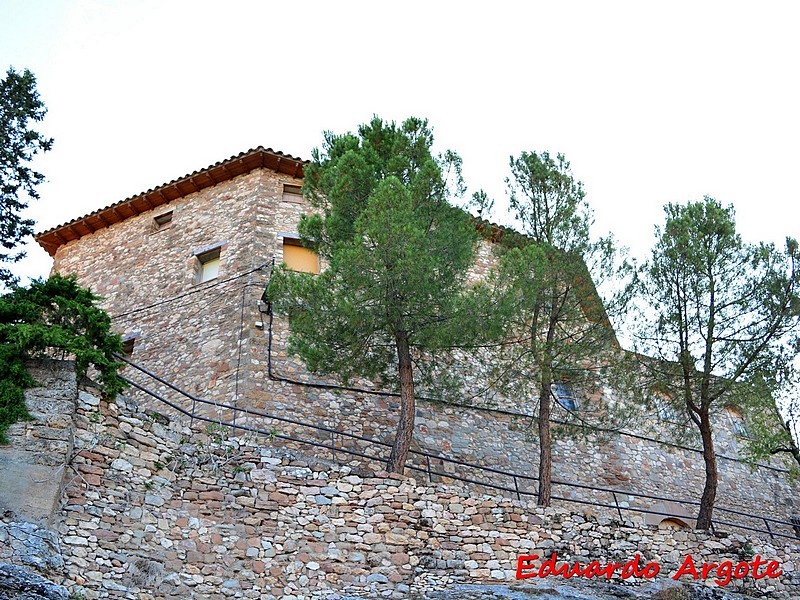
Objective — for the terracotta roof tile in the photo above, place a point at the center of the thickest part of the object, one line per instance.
(221, 171)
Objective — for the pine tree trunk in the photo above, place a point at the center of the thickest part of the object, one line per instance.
(710, 458)
(545, 451)
(405, 425)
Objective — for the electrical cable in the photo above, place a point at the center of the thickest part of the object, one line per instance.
(189, 293)
(327, 386)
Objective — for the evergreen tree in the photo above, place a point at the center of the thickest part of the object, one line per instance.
(53, 318)
(396, 254)
(725, 320)
(554, 315)
(19, 106)
(772, 413)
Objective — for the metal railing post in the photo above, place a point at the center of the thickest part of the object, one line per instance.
(616, 503)
(489, 471)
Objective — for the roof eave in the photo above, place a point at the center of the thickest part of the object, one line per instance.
(257, 158)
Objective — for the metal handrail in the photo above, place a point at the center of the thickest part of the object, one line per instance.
(428, 456)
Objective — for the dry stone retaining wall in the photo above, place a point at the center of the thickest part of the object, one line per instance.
(508, 442)
(31, 465)
(155, 510)
(212, 340)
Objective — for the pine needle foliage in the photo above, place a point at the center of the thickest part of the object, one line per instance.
(397, 254)
(722, 317)
(559, 325)
(20, 106)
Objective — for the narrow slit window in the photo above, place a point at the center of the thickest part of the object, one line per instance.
(299, 258)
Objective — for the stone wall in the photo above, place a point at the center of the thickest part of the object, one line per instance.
(32, 468)
(186, 331)
(212, 340)
(32, 464)
(154, 509)
(500, 440)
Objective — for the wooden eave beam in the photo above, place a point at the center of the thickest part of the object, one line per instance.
(238, 168)
(129, 206)
(261, 158)
(48, 245)
(117, 214)
(248, 163)
(99, 217)
(154, 199)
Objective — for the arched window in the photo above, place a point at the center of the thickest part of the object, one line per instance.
(564, 394)
(675, 523)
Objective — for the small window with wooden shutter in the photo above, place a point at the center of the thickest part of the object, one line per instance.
(292, 193)
(299, 258)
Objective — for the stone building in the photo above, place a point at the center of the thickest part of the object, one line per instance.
(182, 269)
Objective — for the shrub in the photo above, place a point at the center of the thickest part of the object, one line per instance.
(52, 318)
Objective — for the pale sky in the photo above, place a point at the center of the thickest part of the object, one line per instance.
(651, 102)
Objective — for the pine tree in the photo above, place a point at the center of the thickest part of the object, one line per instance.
(559, 325)
(722, 317)
(19, 106)
(396, 255)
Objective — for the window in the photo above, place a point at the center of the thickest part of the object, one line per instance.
(737, 423)
(292, 193)
(299, 258)
(209, 265)
(162, 221)
(562, 391)
(127, 346)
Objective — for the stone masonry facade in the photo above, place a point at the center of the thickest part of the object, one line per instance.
(152, 508)
(32, 464)
(212, 340)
